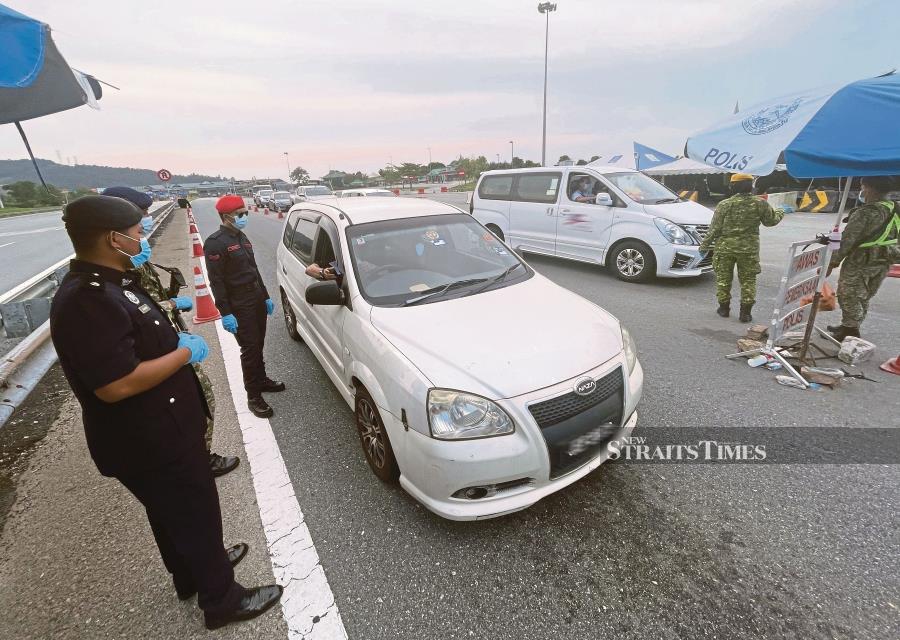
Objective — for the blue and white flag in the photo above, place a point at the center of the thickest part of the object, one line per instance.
(647, 157)
(840, 130)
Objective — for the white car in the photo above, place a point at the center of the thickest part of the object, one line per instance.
(367, 193)
(263, 197)
(605, 215)
(480, 384)
(312, 192)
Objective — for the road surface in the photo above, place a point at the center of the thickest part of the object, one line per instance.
(632, 550)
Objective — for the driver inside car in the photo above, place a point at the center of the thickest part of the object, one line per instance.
(583, 191)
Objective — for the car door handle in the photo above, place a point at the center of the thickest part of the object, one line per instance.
(566, 211)
(283, 270)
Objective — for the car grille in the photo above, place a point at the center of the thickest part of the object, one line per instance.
(682, 260)
(699, 231)
(577, 427)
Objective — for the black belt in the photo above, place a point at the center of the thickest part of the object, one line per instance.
(250, 287)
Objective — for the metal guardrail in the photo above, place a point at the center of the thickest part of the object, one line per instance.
(24, 366)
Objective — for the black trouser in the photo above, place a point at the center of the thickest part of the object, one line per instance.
(183, 509)
(249, 309)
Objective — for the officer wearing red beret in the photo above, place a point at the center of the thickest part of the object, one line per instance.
(241, 298)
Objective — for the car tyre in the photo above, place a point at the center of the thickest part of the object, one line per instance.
(374, 438)
(290, 319)
(496, 231)
(632, 261)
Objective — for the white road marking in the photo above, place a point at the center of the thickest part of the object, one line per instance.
(6, 245)
(308, 604)
(6, 234)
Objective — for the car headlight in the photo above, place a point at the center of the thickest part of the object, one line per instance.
(630, 349)
(454, 415)
(672, 232)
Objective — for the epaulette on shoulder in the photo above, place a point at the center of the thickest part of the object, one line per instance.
(91, 282)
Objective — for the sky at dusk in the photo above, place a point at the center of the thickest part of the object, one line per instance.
(227, 87)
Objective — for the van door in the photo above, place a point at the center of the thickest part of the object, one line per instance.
(490, 204)
(584, 227)
(533, 211)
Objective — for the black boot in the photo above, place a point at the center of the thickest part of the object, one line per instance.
(271, 386)
(259, 407)
(724, 309)
(745, 313)
(220, 465)
(840, 332)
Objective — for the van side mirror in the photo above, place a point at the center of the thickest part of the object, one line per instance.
(604, 199)
(325, 293)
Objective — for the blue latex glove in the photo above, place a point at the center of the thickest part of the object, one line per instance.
(270, 306)
(183, 303)
(229, 323)
(197, 345)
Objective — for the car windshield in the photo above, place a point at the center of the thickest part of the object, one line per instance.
(399, 261)
(265, 192)
(641, 188)
(318, 191)
(282, 195)
(380, 194)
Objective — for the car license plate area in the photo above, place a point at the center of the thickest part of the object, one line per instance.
(573, 442)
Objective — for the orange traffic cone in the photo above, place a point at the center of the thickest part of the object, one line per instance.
(894, 271)
(280, 215)
(203, 303)
(891, 366)
(198, 246)
(256, 208)
(266, 211)
(192, 229)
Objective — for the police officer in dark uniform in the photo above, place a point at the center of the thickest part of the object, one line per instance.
(143, 410)
(241, 298)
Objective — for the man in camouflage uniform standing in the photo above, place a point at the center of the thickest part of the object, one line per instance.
(149, 281)
(734, 237)
(869, 246)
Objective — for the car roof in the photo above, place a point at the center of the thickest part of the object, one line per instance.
(366, 190)
(599, 168)
(363, 210)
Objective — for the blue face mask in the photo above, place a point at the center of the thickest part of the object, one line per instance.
(241, 221)
(147, 224)
(143, 257)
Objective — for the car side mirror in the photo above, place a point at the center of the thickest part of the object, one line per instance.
(325, 293)
(604, 199)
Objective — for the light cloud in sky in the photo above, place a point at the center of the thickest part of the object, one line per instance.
(226, 87)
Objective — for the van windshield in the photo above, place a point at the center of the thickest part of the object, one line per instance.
(429, 259)
(641, 188)
(318, 191)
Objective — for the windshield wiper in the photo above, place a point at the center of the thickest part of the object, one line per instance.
(498, 278)
(667, 200)
(442, 289)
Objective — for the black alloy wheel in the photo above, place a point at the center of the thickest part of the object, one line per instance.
(374, 439)
(290, 319)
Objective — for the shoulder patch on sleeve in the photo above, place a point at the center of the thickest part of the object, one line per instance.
(214, 257)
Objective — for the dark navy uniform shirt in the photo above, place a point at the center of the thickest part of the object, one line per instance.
(231, 267)
(103, 326)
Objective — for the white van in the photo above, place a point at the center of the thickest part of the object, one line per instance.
(601, 214)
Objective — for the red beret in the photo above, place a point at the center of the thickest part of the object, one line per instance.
(230, 203)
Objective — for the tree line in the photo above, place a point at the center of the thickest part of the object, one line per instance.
(27, 194)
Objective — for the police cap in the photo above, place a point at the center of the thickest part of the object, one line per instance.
(138, 198)
(100, 212)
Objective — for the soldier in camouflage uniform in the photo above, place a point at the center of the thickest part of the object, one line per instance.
(869, 246)
(734, 237)
(149, 281)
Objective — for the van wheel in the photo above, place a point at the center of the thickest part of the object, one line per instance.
(374, 439)
(632, 261)
(496, 231)
(290, 319)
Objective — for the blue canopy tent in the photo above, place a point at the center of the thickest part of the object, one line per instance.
(35, 80)
(841, 131)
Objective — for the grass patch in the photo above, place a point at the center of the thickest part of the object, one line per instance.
(7, 212)
(467, 186)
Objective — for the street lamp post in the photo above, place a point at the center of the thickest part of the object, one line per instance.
(546, 8)
(512, 153)
(288, 162)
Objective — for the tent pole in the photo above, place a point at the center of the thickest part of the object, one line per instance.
(33, 161)
(844, 197)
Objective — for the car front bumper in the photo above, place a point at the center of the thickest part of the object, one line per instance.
(520, 462)
(671, 260)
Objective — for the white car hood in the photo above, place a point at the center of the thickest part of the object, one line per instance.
(681, 212)
(505, 342)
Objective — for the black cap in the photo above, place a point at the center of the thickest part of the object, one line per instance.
(101, 212)
(138, 198)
